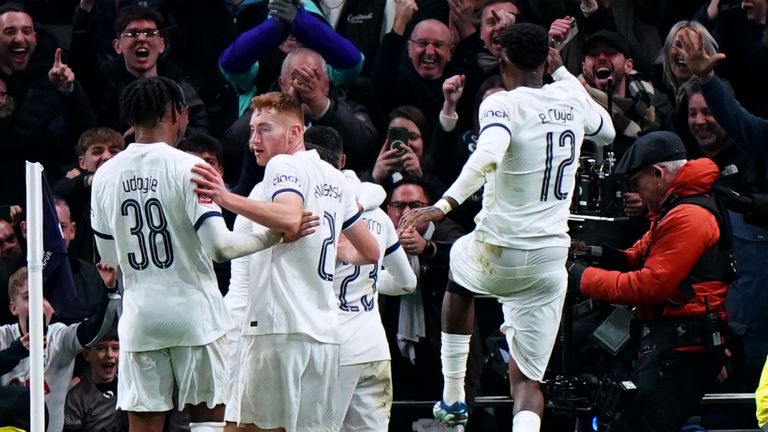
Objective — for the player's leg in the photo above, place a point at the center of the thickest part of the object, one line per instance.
(531, 320)
(145, 388)
(316, 387)
(146, 421)
(371, 402)
(201, 378)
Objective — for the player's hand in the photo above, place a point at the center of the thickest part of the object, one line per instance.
(345, 251)
(692, 50)
(387, 162)
(424, 214)
(61, 75)
(413, 243)
(209, 183)
(307, 227)
(410, 163)
(108, 274)
(633, 204)
(453, 88)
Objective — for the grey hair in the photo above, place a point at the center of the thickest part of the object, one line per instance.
(707, 41)
(301, 51)
(672, 166)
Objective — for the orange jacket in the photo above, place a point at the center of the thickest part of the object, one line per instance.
(676, 243)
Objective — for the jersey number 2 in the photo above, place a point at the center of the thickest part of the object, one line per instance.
(567, 139)
(158, 230)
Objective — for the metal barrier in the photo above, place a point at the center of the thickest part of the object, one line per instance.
(506, 401)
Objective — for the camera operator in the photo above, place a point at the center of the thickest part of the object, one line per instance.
(676, 275)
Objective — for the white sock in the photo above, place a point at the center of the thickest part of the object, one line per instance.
(207, 427)
(453, 354)
(526, 421)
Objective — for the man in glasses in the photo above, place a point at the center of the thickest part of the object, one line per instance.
(417, 81)
(139, 44)
(676, 275)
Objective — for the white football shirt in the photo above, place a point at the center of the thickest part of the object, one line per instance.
(361, 333)
(144, 199)
(298, 295)
(527, 153)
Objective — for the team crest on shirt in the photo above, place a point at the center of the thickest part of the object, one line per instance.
(204, 199)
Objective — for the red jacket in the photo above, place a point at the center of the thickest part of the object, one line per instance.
(677, 242)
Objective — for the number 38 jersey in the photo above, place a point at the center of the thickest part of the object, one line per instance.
(144, 199)
(528, 152)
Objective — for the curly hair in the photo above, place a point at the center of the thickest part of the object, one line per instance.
(525, 45)
(145, 101)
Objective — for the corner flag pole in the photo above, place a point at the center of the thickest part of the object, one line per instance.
(35, 267)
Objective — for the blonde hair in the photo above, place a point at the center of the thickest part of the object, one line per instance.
(707, 42)
(17, 281)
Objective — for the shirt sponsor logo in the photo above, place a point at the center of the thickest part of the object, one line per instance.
(326, 190)
(557, 115)
(285, 178)
(499, 114)
(204, 199)
(360, 18)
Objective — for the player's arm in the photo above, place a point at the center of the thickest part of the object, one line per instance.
(91, 330)
(221, 244)
(105, 244)
(495, 135)
(397, 278)
(364, 243)
(282, 214)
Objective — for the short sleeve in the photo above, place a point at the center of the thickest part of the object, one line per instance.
(99, 220)
(283, 174)
(391, 240)
(198, 207)
(495, 112)
(351, 211)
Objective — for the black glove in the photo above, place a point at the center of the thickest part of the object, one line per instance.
(284, 10)
(575, 271)
(733, 200)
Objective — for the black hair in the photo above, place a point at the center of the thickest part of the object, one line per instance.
(525, 45)
(328, 139)
(136, 12)
(145, 101)
(202, 143)
(12, 7)
(411, 181)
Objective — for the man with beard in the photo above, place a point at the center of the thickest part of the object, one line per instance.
(139, 42)
(608, 75)
(49, 107)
